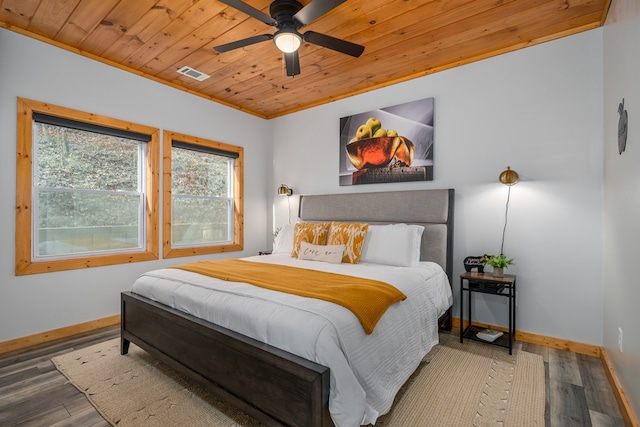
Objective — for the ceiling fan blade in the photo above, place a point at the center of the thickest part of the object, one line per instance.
(315, 10)
(242, 43)
(339, 45)
(292, 62)
(251, 11)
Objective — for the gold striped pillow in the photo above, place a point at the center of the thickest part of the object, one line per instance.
(311, 232)
(351, 235)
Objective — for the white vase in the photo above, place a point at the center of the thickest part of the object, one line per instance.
(498, 272)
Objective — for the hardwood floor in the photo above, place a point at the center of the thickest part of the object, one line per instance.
(34, 393)
(577, 390)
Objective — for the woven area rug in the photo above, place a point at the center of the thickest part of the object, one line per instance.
(470, 384)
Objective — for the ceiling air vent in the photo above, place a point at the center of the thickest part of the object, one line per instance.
(194, 74)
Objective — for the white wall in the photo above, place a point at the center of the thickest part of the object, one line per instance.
(622, 195)
(538, 110)
(31, 69)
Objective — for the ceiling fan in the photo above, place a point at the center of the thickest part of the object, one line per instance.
(288, 16)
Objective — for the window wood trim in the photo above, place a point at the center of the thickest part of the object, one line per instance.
(24, 158)
(238, 197)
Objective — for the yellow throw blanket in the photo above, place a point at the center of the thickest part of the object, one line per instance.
(367, 299)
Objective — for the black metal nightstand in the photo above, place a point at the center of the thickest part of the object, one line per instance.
(487, 284)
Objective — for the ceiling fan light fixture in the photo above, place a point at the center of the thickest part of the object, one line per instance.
(287, 42)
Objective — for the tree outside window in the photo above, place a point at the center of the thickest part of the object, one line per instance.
(203, 196)
(86, 190)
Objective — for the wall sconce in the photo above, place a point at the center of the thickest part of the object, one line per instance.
(283, 190)
(509, 178)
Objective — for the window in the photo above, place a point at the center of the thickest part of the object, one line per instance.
(203, 196)
(86, 190)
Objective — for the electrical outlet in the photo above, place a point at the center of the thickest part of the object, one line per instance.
(620, 339)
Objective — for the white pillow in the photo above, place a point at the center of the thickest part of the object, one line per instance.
(393, 244)
(283, 243)
(326, 253)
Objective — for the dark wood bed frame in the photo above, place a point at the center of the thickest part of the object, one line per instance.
(276, 387)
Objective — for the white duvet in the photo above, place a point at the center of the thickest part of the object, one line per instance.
(366, 370)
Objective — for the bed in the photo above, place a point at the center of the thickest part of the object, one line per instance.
(276, 386)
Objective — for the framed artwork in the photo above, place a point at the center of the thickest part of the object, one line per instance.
(392, 144)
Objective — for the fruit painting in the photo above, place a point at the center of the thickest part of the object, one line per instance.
(392, 144)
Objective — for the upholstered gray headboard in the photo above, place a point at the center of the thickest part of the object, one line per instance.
(432, 209)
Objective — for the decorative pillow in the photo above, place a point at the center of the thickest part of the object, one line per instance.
(326, 253)
(310, 232)
(351, 235)
(283, 243)
(393, 244)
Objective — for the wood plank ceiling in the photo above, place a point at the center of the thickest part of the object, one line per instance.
(403, 39)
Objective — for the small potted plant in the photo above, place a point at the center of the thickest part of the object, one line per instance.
(498, 262)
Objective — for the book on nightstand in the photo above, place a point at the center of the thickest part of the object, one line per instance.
(489, 335)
